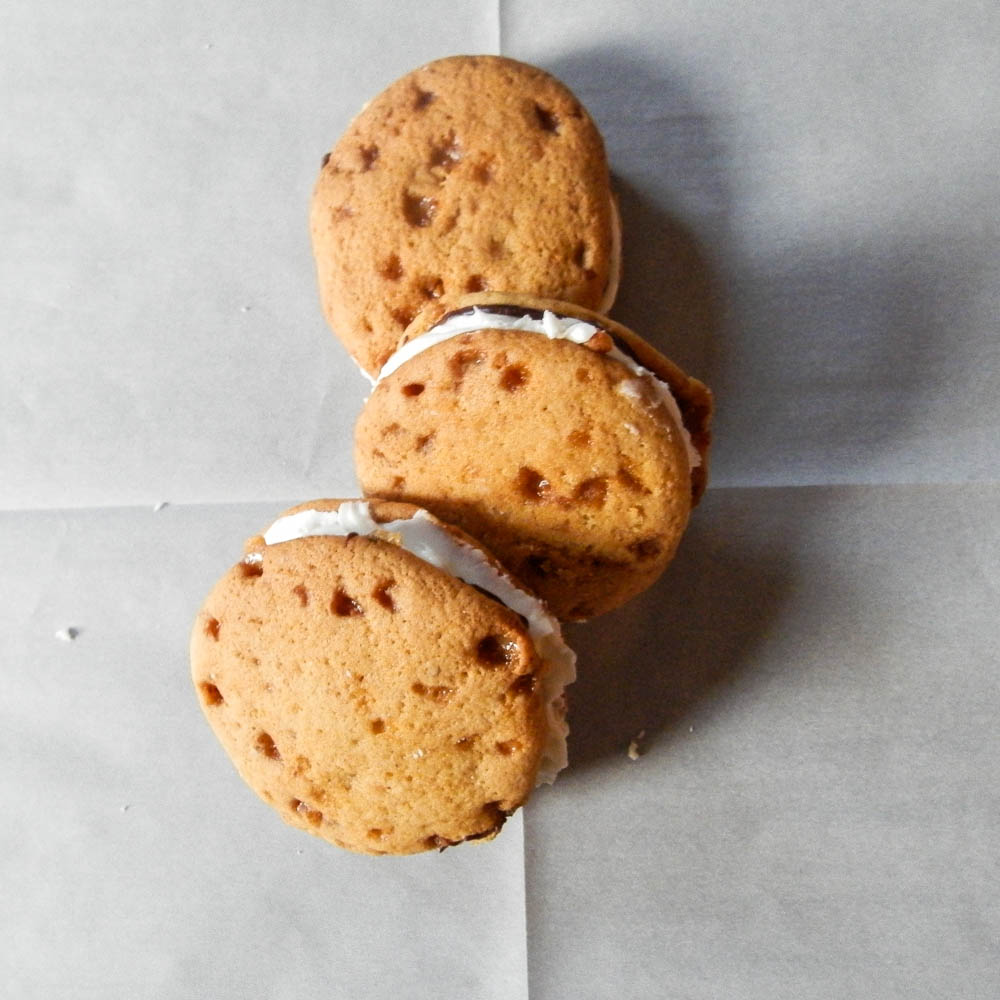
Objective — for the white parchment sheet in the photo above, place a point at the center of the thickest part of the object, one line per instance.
(815, 811)
(811, 205)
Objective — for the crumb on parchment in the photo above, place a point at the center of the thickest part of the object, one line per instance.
(634, 753)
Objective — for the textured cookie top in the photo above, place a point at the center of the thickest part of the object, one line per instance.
(372, 698)
(568, 466)
(472, 173)
(691, 402)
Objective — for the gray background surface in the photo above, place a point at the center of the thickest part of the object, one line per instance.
(812, 224)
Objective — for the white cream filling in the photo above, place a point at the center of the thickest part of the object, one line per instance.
(555, 328)
(434, 544)
(364, 371)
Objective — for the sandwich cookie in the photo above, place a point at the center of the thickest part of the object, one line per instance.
(380, 680)
(472, 173)
(570, 447)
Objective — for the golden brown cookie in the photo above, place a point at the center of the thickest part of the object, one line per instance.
(562, 440)
(379, 680)
(472, 173)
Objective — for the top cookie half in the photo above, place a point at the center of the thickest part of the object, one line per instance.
(470, 174)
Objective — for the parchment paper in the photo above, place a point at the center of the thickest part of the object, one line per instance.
(136, 863)
(810, 199)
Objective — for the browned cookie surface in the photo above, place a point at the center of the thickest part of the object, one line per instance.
(694, 399)
(557, 457)
(471, 173)
(370, 698)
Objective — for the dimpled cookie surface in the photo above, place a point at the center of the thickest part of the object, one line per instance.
(556, 457)
(371, 699)
(469, 174)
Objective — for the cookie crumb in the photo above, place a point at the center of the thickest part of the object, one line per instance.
(126, 807)
(600, 342)
(67, 634)
(634, 752)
